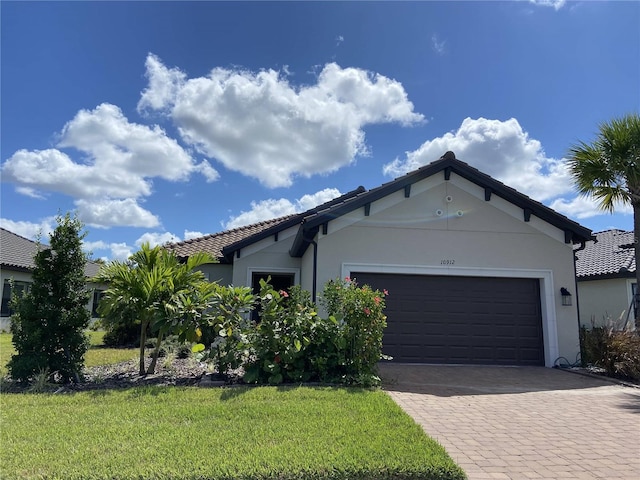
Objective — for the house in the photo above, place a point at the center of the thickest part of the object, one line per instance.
(606, 278)
(474, 269)
(16, 266)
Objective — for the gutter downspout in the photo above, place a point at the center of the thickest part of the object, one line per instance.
(583, 245)
(314, 287)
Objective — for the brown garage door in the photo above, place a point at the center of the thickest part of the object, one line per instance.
(468, 320)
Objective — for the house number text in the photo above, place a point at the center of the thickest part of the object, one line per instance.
(447, 261)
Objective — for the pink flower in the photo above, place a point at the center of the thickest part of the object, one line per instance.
(367, 311)
(347, 279)
(386, 292)
(377, 300)
(284, 293)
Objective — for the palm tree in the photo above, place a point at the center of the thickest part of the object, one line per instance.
(145, 285)
(609, 170)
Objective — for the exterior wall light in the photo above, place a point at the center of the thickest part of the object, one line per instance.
(566, 297)
(459, 213)
(439, 213)
(449, 198)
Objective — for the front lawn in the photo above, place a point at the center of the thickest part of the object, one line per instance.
(96, 355)
(235, 433)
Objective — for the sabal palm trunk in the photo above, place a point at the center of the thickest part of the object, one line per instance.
(636, 242)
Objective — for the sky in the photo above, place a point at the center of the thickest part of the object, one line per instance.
(165, 121)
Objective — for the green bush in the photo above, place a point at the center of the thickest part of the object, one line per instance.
(279, 341)
(290, 343)
(50, 319)
(615, 351)
(361, 312)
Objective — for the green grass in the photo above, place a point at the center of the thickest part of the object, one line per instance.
(96, 355)
(195, 433)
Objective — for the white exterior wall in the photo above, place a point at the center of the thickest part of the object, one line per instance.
(267, 255)
(604, 302)
(218, 272)
(5, 322)
(406, 235)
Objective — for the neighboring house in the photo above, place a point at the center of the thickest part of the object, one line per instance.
(474, 269)
(606, 275)
(16, 266)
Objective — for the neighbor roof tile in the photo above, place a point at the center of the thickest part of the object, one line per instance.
(612, 254)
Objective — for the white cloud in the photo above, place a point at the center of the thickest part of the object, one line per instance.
(207, 171)
(164, 84)
(438, 45)
(157, 238)
(110, 213)
(585, 207)
(260, 125)
(339, 40)
(31, 230)
(500, 149)
(119, 160)
(274, 208)
(30, 192)
(188, 234)
(555, 4)
(120, 251)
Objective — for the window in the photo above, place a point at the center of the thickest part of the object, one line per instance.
(97, 295)
(19, 288)
(279, 281)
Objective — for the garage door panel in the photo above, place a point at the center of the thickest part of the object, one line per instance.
(474, 320)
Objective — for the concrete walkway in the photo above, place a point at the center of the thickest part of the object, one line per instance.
(523, 422)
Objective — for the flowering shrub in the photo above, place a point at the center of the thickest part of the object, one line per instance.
(290, 343)
(280, 339)
(359, 310)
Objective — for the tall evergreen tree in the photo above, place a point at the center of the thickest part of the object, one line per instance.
(49, 320)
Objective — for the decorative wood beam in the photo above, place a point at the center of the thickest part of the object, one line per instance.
(447, 173)
(275, 237)
(487, 194)
(367, 209)
(325, 228)
(238, 253)
(407, 191)
(527, 214)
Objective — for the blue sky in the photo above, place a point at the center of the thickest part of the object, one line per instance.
(160, 121)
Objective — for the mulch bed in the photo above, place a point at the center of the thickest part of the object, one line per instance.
(169, 371)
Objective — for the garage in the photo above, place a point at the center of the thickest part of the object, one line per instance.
(461, 320)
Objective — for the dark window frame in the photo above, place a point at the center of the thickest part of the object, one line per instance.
(8, 286)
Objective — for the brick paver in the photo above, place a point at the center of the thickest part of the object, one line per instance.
(521, 423)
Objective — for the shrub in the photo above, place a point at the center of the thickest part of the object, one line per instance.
(615, 351)
(224, 328)
(280, 339)
(361, 311)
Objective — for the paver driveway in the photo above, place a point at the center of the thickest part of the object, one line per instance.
(523, 422)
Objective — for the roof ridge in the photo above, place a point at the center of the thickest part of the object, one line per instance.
(233, 230)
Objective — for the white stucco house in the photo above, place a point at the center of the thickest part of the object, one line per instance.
(474, 269)
(16, 267)
(606, 275)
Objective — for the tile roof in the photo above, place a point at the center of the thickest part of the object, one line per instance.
(214, 243)
(17, 252)
(612, 255)
(223, 244)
